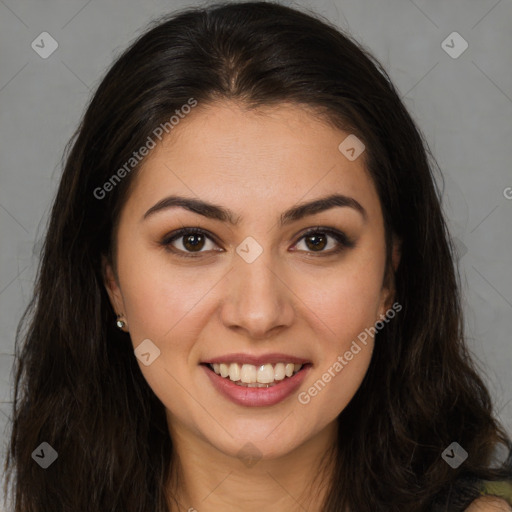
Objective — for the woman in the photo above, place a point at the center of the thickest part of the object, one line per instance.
(247, 297)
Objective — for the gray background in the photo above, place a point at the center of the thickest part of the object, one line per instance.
(462, 105)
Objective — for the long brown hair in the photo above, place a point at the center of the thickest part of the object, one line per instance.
(78, 386)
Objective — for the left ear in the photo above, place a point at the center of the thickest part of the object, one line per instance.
(111, 284)
(388, 291)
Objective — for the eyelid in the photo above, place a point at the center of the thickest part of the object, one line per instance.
(343, 240)
(340, 236)
(167, 240)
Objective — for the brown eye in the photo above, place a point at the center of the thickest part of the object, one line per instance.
(316, 242)
(193, 242)
(190, 242)
(187, 241)
(317, 239)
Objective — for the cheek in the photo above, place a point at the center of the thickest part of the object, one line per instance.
(331, 388)
(346, 301)
(343, 315)
(159, 299)
(166, 306)
(342, 309)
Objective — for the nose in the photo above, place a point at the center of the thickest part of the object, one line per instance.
(258, 300)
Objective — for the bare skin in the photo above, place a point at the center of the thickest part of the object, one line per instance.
(297, 297)
(489, 504)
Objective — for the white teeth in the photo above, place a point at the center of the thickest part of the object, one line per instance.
(255, 376)
(265, 374)
(279, 372)
(234, 372)
(224, 370)
(247, 373)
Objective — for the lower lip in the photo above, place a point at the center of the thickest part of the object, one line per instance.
(257, 397)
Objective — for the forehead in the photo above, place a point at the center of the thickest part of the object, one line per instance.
(278, 155)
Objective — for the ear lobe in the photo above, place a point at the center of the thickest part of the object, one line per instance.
(112, 285)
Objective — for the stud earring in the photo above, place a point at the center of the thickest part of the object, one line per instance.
(120, 323)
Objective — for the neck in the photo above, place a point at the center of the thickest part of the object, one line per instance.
(205, 479)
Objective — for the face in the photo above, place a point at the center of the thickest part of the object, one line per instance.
(240, 278)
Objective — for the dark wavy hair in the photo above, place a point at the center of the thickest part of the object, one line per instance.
(78, 385)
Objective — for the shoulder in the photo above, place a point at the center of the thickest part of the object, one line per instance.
(489, 504)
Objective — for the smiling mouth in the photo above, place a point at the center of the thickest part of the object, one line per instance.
(251, 376)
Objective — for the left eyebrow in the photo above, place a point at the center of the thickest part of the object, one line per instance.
(216, 212)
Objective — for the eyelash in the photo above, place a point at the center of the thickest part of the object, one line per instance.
(342, 239)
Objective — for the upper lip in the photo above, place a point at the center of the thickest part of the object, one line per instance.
(257, 360)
